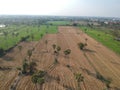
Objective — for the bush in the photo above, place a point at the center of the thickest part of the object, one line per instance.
(1, 52)
(81, 45)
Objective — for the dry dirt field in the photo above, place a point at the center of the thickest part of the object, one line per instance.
(95, 58)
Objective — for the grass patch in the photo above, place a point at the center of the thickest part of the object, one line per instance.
(12, 38)
(103, 37)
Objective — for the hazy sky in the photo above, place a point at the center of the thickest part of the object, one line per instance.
(109, 8)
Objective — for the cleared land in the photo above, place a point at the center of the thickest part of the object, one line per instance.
(95, 58)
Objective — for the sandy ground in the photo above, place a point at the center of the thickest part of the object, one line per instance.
(96, 57)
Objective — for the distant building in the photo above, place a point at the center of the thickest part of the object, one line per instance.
(2, 25)
(106, 22)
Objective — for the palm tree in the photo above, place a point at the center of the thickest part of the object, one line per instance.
(79, 79)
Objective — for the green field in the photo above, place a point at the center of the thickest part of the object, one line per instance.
(103, 37)
(15, 33)
(60, 23)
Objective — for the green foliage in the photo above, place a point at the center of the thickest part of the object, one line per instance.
(67, 51)
(38, 77)
(79, 77)
(82, 45)
(54, 46)
(34, 78)
(25, 67)
(29, 52)
(40, 80)
(29, 68)
(58, 48)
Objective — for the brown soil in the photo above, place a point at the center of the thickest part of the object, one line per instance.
(95, 57)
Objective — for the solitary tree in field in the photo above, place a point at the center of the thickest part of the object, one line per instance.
(79, 79)
(82, 45)
(67, 52)
(57, 50)
(54, 46)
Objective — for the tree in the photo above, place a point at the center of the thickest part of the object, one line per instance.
(39, 78)
(41, 35)
(54, 46)
(58, 49)
(25, 67)
(32, 67)
(79, 79)
(82, 45)
(67, 52)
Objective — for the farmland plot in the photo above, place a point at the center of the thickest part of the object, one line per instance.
(61, 76)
